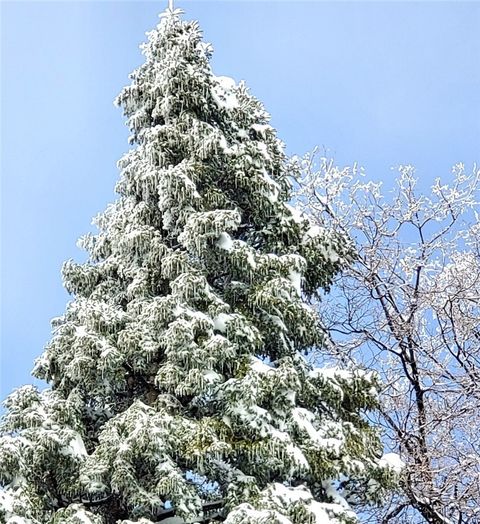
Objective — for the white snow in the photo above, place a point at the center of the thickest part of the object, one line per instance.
(248, 514)
(82, 517)
(260, 367)
(291, 396)
(296, 279)
(392, 461)
(277, 321)
(373, 392)
(6, 501)
(289, 495)
(80, 331)
(331, 491)
(19, 520)
(17, 480)
(225, 242)
(313, 231)
(304, 420)
(211, 376)
(321, 516)
(279, 435)
(251, 260)
(298, 456)
(123, 447)
(262, 147)
(296, 214)
(220, 322)
(272, 195)
(330, 254)
(223, 92)
(76, 447)
(178, 310)
(331, 373)
(198, 315)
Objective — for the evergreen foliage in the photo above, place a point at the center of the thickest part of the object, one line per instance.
(178, 389)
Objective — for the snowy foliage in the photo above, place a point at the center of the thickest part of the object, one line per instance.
(410, 308)
(176, 373)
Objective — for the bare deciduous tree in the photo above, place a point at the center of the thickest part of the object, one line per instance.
(409, 307)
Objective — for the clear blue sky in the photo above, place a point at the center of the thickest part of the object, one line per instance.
(380, 83)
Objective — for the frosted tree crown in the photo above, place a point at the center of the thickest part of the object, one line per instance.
(176, 377)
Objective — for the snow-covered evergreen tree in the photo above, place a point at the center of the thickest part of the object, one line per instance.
(178, 390)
